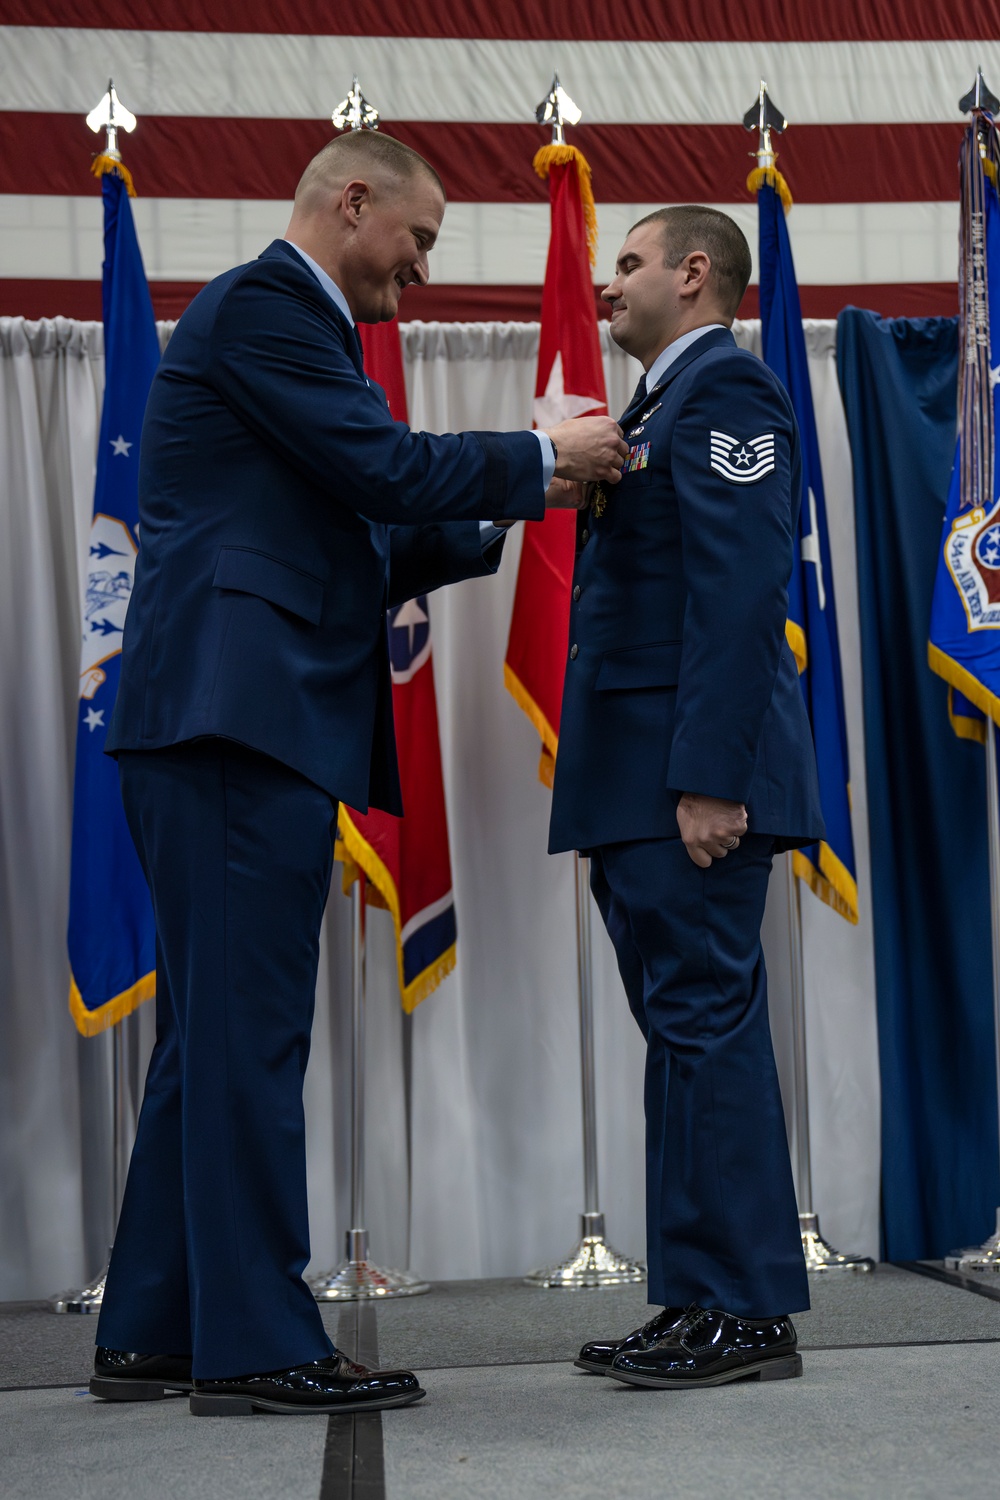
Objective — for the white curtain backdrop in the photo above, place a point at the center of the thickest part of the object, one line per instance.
(473, 1142)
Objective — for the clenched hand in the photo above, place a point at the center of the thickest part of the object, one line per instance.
(589, 448)
(709, 826)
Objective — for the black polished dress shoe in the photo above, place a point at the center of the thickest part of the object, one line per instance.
(330, 1385)
(596, 1356)
(710, 1347)
(119, 1376)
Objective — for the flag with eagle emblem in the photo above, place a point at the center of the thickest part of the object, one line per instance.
(111, 936)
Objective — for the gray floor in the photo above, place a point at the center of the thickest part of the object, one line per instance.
(899, 1399)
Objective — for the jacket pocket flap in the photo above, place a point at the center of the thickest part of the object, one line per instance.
(250, 572)
(640, 667)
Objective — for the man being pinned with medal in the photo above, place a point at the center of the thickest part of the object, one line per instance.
(685, 763)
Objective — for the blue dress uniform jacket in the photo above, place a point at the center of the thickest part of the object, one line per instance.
(276, 502)
(679, 677)
(679, 680)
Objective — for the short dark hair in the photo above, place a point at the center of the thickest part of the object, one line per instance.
(692, 226)
(365, 147)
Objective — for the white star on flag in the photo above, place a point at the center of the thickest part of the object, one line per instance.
(94, 718)
(410, 617)
(120, 447)
(558, 404)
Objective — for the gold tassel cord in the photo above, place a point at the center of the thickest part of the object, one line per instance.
(548, 157)
(772, 178)
(104, 165)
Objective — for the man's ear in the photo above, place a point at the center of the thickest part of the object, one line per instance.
(353, 199)
(697, 270)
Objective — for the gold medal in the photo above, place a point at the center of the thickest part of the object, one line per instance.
(598, 501)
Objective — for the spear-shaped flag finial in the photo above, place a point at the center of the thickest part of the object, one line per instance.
(979, 98)
(764, 116)
(558, 110)
(111, 115)
(354, 112)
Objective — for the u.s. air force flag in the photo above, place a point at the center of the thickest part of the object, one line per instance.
(964, 644)
(828, 867)
(112, 945)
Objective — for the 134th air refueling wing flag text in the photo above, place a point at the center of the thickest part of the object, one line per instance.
(964, 643)
(828, 868)
(569, 383)
(406, 860)
(112, 940)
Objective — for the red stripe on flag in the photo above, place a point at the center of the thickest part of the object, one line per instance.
(518, 20)
(257, 158)
(453, 303)
(445, 303)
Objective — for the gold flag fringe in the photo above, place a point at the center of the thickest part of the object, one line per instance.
(547, 735)
(770, 177)
(833, 882)
(105, 165)
(559, 156)
(796, 638)
(93, 1022)
(357, 855)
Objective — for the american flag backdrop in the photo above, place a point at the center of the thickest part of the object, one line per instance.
(233, 99)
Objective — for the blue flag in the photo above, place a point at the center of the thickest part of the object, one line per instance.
(828, 868)
(964, 644)
(112, 939)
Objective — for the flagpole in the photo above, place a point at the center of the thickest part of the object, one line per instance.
(986, 1257)
(592, 1262)
(88, 1299)
(356, 1278)
(767, 120)
(111, 116)
(820, 1256)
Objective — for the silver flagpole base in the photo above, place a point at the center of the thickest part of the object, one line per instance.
(977, 1258)
(593, 1263)
(87, 1300)
(822, 1257)
(357, 1280)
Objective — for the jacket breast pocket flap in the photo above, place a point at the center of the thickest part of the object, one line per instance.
(249, 572)
(640, 667)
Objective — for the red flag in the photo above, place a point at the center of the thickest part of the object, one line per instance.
(406, 860)
(570, 383)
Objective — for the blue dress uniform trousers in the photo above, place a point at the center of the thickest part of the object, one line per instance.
(214, 1236)
(722, 1221)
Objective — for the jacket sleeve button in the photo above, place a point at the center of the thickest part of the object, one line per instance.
(576, 592)
(574, 651)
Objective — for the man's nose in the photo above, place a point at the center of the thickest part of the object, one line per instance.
(611, 291)
(421, 269)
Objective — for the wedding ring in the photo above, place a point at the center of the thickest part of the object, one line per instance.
(731, 843)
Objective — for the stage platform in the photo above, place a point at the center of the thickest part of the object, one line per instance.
(898, 1399)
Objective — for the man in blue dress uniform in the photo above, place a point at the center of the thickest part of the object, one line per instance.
(282, 513)
(685, 762)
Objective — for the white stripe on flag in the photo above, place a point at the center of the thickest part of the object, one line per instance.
(194, 239)
(421, 918)
(453, 79)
